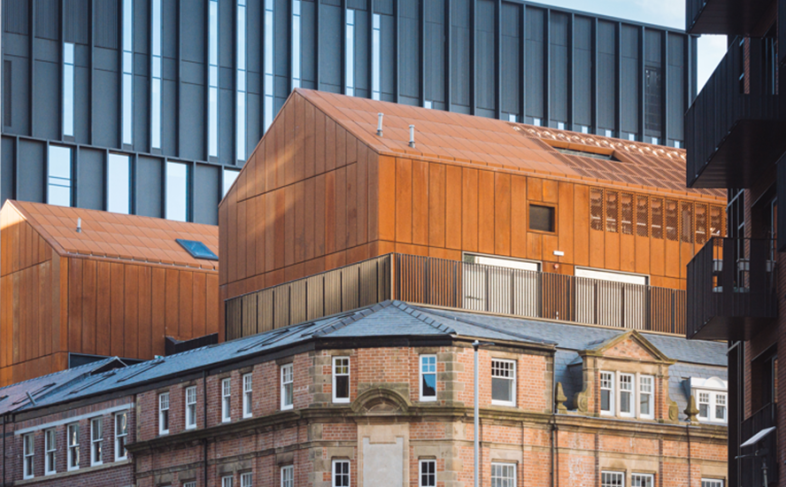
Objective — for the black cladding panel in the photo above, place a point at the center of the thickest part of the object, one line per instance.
(536, 61)
(150, 187)
(91, 176)
(206, 193)
(583, 93)
(460, 56)
(485, 71)
(410, 55)
(559, 82)
(510, 58)
(7, 169)
(435, 38)
(31, 172)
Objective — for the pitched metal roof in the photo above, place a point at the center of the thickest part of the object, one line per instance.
(108, 235)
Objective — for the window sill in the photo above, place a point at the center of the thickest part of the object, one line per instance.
(503, 403)
(71, 473)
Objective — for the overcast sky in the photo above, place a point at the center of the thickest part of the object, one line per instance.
(670, 13)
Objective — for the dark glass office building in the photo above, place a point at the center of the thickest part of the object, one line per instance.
(151, 106)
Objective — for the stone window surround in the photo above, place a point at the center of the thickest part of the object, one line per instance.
(636, 395)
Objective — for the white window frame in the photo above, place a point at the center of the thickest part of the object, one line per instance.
(96, 443)
(119, 436)
(341, 400)
(163, 411)
(50, 451)
(717, 403)
(287, 380)
(631, 391)
(500, 402)
(634, 477)
(28, 452)
(713, 483)
(651, 393)
(618, 475)
(421, 463)
(422, 372)
(704, 397)
(506, 467)
(227, 481)
(248, 391)
(287, 476)
(246, 479)
(73, 448)
(190, 405)
(226, 400)
(333, 476)
(612, 388)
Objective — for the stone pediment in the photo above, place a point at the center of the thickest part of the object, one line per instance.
(631, 345)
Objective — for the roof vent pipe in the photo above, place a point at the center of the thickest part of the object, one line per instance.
(78, 225)
(379, 123)
(412, 136)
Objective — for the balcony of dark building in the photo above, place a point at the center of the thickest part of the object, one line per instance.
(734, 127)
(731, 289)
(729, 17)
(517, 292)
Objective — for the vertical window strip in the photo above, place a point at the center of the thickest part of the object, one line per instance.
(68, 89)
(212, 82)
(269, 75)
(118, 198)
(642, 216)
(626, 213)
(59, 187)
(686, 221)
(349, 50)
(155, 89)
(296, 55)
(248, 388)
(656, 205)
(376, 58)
(596, 209)
(128, 71)
(672, 220)
(428, 377)
(230, 175)
(176, 191)
(241, 80)
(287, 383)
(612, 199)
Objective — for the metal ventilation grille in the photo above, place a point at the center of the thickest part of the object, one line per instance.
(596, 209)
(716, 221)
(657, 217)
(612, 199)
(642, 216)
(701, 224)
(672, 220)
(626, 213)
(686, 222)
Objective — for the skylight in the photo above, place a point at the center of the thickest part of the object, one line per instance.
(197, 249)
(608, 157)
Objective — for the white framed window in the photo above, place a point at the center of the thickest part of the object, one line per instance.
(230, 175)
(711, 398)
(427, 473)
(226, 400)
(288, 476)
(711, 483)
(121, 436)
(163, 413)
(626, 394)
(50, 451)
(96, 441)
(646, 396)
(72, 440)
(155, 88)
(128, 71)
(191, 401)
(29, 456)
(340, 473)
(349, 50)
(607, 393)
(642, 480)
(68, 88)
(612, 479)
(59, 187)
(118, 183)
(503, 382)
(720, 407)
(248, 390)
(428, 377)
(341, 379)
(176, 207)
(246, 480)
(287, 384)
(212, 79)
(240, 129)
(376, 57)
(704, 405)
(227, 481)
(503, 475)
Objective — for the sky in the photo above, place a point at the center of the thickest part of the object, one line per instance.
(670, 13)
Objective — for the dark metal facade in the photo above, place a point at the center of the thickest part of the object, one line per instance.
(492, 58)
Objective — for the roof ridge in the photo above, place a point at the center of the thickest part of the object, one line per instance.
(71, 369)
(340, 323)
(415, 313)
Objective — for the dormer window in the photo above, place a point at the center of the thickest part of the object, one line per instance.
(711, 399)
(627, 395)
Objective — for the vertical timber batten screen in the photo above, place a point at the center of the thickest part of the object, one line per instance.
(460, 285)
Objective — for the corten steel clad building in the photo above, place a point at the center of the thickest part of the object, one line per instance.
(736, 284)
(380, 396)
(149, 107)
(78, 285)
(599, 229)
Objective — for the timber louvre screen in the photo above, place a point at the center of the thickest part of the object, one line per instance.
(461, 285)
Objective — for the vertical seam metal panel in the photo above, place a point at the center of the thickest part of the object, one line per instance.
(641, 84)
(523, 67)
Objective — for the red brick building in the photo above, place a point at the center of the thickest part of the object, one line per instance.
(380, 396)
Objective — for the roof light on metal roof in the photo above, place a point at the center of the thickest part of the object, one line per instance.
(379, 123)
(197, 249)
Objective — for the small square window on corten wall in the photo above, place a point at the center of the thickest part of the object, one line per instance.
(541, 218)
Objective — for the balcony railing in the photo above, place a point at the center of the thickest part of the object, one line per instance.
(733, 129)
(732, 289)
(751, 462)
(460, 285)
(729, 17)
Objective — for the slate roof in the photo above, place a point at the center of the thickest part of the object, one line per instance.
(389, 319)
(455, 137)
(107, 235)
